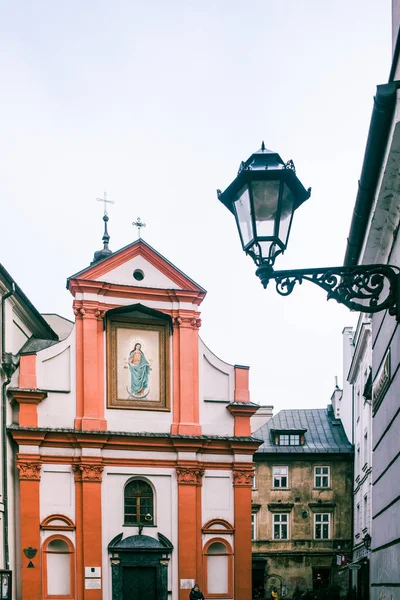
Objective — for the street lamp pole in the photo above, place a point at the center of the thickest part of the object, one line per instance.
(263, 198)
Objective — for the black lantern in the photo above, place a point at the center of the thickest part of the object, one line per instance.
(263, 198)
(367, 541)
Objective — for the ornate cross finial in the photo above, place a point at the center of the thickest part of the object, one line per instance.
(105, 202)
(139, 224)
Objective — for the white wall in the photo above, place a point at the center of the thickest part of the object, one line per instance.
(56, 373)
(217, 386)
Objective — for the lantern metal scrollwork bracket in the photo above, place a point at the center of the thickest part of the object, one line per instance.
(358, 287)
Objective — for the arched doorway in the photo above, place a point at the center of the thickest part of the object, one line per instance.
(139, 565)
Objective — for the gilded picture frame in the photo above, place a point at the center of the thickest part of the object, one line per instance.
(137, 365)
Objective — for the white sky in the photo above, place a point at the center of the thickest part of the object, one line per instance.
(158, 102)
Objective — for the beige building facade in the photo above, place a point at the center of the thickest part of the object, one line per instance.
(302, 504)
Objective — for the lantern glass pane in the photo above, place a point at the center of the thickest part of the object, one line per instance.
(243, 216)
(265, 200)
(286, 214)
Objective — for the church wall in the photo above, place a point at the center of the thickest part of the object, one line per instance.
(217, 496)
(57, 491)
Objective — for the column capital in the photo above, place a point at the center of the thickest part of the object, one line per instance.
(88, 473)
(29, 470)
(243, 478)
(189, 476)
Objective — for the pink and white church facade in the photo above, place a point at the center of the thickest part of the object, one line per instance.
(130, 452)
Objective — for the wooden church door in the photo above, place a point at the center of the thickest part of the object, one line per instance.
(139, 583)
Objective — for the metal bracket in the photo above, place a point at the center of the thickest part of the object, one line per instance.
(359, 288)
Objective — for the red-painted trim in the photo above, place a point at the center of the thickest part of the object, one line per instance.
(242, 393)
(46, 524)
(27, 401)
(242, 414)
(118, 441)
(224, 526)
(242, 515)
(142, 249)
(229, 554)
(71, 553)
(27, 371)
(29, 503)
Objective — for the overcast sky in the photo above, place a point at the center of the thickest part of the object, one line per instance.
(157, 103)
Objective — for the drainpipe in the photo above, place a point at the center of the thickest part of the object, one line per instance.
(8, 370)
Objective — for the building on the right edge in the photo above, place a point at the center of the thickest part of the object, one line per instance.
(358, 403)
(373, 238)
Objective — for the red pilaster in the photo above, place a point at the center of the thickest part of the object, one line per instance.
(189, 525)
(242, 393)
(29, 489)
(89, 367)
(88, 477)
(27, 371)
(242, 484)
(185, 409)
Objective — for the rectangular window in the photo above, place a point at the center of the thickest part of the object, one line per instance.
(365, 512)
(254, 483)
(321, 477)
(322, 523)
(366, 448)
(253, 526)
(358, 521)
(280, 477)
(289, 440)
(281, 526)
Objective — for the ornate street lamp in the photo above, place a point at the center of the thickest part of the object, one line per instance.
(367, 541)
(263, 198)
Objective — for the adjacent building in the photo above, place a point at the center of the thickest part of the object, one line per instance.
(359, 375)
(131, 455)
(374, 239)
(302, 503)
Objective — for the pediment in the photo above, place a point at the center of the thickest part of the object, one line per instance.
(139, 257)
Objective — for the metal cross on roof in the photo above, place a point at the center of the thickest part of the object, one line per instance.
(139, 224)
(105, 202)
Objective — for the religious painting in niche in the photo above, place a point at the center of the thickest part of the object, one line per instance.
(137, 365)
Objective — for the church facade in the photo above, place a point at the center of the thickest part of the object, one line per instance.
(132, 451)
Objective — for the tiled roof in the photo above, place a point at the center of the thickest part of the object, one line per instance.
(323, 433)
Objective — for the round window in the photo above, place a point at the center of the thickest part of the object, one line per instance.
(138, 275)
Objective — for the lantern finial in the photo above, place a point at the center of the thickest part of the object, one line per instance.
(262, 146)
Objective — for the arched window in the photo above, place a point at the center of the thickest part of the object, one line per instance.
(58, 568)
(218, 569)
(138, 503)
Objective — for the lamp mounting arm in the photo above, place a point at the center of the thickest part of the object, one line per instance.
(358, 287)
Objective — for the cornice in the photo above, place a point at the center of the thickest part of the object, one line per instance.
(111, 440)
(27, 396)
(116, 290)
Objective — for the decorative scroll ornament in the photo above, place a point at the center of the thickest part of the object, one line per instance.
(29, 470)
(359, 288)
(243, 478)
(88, 473)
(190, 476)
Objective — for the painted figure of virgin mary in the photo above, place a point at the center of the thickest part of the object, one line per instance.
(139, 368)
